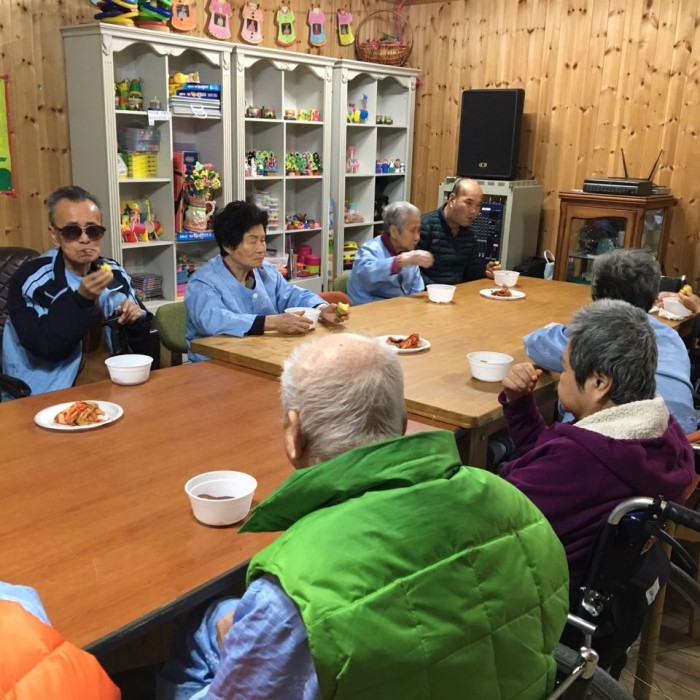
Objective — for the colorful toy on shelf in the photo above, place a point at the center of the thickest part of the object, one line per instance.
(117, 11)
(138, 223)
(306, 115)
(290, 114)
(352, 215)
(364, 113)
(284, 18)
(384, 120)
(353, 114)
(353, 164)
(306, 163)
(297, 221)
(260, 163)
(135, 100)
(251, 28)
(219, 13)
(184, 18)
(345, 35)
(316, 19)
(178, 80)
(154, 14)
(268, 113)
(121, 94)
(253, 112)
(350, 249)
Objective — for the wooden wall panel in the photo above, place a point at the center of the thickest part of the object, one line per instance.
(598, 75)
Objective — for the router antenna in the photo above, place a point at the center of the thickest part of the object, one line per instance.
(624, 162)
(656, 162)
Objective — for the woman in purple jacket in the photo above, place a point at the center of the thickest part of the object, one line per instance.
(624, 443)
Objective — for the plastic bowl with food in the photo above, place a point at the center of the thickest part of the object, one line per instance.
(489, 366)
(505, 278)
(441, 293)
(309, 312)
(129, 369)
(221, 497)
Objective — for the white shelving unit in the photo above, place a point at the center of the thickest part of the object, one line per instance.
(388, 92)
(286, 83)
(97, 55)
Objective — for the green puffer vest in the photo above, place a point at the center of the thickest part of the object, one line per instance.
(417, 577)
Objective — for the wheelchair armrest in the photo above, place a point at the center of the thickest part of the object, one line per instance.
(14, 387)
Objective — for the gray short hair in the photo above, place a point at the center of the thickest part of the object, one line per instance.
(348, 392)
(74, 193)
(630, 274)
(396, 214)
(616, 339)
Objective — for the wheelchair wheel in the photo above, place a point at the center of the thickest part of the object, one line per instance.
(602, 687)
(686, 586)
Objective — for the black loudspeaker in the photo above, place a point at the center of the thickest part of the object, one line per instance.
(489, 133)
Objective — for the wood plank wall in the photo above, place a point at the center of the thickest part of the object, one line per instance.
(598, 75)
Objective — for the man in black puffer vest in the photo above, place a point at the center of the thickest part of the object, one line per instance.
(446, 233)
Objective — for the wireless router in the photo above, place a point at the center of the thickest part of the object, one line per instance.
(623, 185)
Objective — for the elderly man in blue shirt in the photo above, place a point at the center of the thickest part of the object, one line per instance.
(633, 276)
(388, 265)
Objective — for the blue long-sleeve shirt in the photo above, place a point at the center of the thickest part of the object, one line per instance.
(218, 304)
(545, 347)
(376, 274)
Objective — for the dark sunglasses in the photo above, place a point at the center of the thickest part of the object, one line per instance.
(73, 232)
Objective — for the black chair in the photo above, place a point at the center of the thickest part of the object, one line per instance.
(11, 259)
(671, 284)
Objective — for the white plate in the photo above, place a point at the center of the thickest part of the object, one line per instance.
(46, 418)
(424, 344)
(515, 294)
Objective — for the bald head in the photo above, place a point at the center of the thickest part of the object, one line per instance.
(346, 390)
(464, 203)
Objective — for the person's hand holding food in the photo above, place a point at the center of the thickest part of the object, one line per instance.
(491, 266)
(689, 299)
(520, 381)
(93, 284)
(422, 258)
(335, 313)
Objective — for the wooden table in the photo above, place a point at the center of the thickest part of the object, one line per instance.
(438, 384)
(98, 521)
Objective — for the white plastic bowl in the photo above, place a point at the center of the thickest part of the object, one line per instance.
(129, 369)
(232, 495)
(676, 307)
(505, 278)
(310, 313)
(489, 366)
(441, 293)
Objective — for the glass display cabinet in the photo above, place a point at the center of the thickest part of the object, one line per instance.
(593, 224)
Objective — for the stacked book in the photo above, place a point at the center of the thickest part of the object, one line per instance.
(147, 285)
(198, 99)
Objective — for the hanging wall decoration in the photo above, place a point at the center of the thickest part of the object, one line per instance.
(286, 35)
(184, 18)
(6, 186)
(251, 29)
(345, 35)
(220, 12)
(317, 26)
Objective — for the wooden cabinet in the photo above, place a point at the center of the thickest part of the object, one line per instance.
(372, 151)
(99, 55)
(282, 106)
(593, 224)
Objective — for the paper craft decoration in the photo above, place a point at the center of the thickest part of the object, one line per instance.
(317, 26)
(345, 35)
(184, 18)
(6, 186)
(286, 35)
(251, 30)
(220, 12)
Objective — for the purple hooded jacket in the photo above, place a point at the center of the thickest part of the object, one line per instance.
(576, 475)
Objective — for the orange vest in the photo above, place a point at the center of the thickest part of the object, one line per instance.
(36, 662)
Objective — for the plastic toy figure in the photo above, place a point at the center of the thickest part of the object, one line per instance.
(316, 20)
(286, 35)
(219, 13)
(122, 88)
(345, 35)
(252, 15)
(135, 99)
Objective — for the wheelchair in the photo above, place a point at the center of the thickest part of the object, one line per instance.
(627, 568)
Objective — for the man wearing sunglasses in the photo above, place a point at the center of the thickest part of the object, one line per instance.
(58, 303)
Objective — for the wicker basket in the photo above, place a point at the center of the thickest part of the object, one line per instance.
(388, 54)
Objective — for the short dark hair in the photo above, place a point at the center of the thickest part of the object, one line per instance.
(629, 274)
(614, 338)
(234, 221)
(74, 194)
